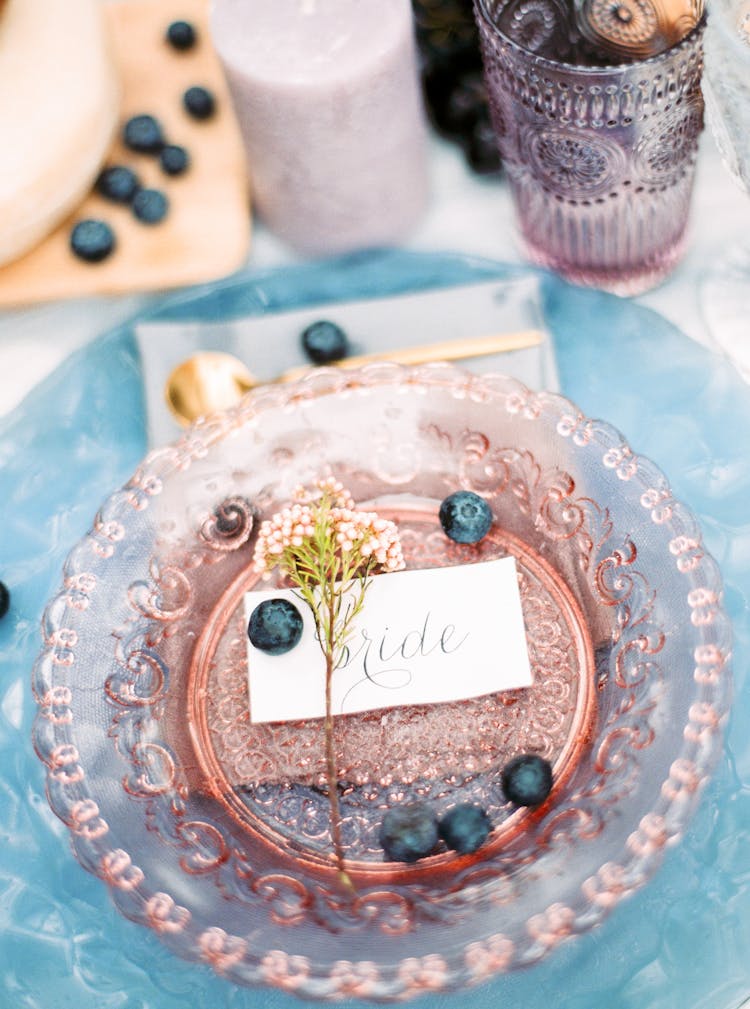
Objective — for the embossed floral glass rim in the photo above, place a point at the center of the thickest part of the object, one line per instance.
(600, 159)
(214, 832)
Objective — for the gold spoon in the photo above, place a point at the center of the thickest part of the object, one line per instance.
(212, 380)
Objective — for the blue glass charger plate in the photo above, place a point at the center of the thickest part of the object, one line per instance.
(683, 942)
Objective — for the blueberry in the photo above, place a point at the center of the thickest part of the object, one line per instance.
(527, 780)
(174, 160)
(408, 833)
(465, 517)
(4, 599)
(275, 626)
(143, 134)
(465, 828)
(92, 240)
(325, 342)
(181, 35)
(150, 206)
(118, 183)
(199, 102)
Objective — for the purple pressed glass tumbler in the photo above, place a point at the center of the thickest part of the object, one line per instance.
(600, 158)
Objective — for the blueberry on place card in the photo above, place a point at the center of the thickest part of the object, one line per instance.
(275, 626)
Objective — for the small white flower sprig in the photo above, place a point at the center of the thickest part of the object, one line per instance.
(329, 550)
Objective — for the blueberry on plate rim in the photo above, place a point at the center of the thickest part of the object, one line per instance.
(150, 206)
(118, 183)
(275, 626)
(465, 517)
(409, 832)
(174, 159)
(92, 240)
(143, 134)
(199, 102)
(465, 828)
(181, 35)
(526, 780)
(324, 342)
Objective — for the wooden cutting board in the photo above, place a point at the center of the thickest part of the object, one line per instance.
(206, 234)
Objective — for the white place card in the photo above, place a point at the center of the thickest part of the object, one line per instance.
(422, 637)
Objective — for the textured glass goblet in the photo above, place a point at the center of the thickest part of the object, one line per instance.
(726, 85)
(600, 159)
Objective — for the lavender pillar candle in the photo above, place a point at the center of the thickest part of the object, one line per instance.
(328, 99)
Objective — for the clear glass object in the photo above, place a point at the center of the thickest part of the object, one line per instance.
(214, 833)
(725, 292)
(600, 159)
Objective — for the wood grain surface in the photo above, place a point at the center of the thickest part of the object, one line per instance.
(206, 234)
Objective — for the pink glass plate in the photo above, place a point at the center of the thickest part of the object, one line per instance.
(214, 832)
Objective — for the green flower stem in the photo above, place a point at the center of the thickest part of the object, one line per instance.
(330, 750)
(332, 582)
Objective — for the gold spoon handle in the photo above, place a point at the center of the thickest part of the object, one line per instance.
(212, 380)
(447, 350)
